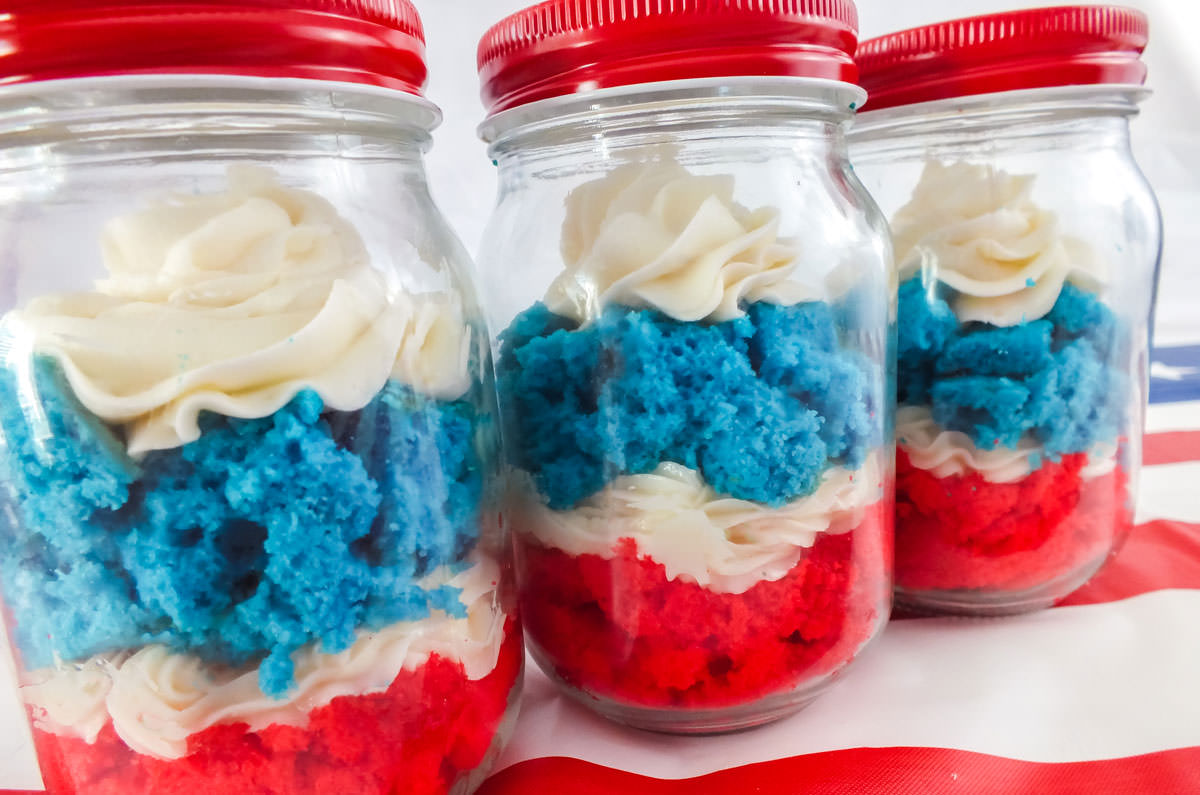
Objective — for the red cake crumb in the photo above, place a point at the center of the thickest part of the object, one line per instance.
(620, 629)
(429, 729)
(964, 532)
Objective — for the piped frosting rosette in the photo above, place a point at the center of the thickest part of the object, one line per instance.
(657, 236)
(1010, 371)
(233, 304)
(680, 399)
(247, 484)
(1004, 258)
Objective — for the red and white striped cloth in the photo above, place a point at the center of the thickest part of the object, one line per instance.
(1098, 695)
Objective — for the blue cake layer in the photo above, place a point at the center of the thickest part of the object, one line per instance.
(760, 405)
(258, 538)
(1053, 377)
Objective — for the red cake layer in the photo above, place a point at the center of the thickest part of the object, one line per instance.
(964, 532)
(618, 628)
(429, 729)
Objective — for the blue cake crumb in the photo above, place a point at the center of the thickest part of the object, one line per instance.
(926, 324)
(258, 538)
(60, 450)
(1014, 352)
(760, 405)
(795, 349)
(1050, 377)
(415, 449)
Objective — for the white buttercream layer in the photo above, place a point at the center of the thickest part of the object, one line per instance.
(156, 698)
(233, 303)
(946, 453)
(678, 520)
(976, 229)
(654, 235)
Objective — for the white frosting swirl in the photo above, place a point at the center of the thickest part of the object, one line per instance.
(678, 520)
(435, 345)
(1101, 461)
(70, 699)
(233, 303)
(978, 231)
(656, 235)
(156, 699)
(946, 453)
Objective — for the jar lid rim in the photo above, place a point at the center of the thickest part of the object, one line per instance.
(1030, 48)
(563, 47)
(372, 42)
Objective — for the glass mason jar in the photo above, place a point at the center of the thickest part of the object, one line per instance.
(1027, 245)
(691, 293)
(250, 529)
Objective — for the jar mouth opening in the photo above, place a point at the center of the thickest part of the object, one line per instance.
(404, 109)
(1117, 98)
(820, 96)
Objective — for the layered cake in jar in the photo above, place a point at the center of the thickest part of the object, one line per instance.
(250, 532)
(692, 304)
(1026, 244)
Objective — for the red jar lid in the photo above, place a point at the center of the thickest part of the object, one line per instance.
(563, 47)
(377, 42)
(1036, 48)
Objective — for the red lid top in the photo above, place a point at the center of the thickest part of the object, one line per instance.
(377, 42)
(1036, 48)
(562, 47)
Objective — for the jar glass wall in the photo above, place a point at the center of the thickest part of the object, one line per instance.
(1026, 244)
(250, 531)
(691, 294)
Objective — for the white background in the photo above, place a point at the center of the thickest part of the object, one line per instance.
(1166, 136)
(1071, 719)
